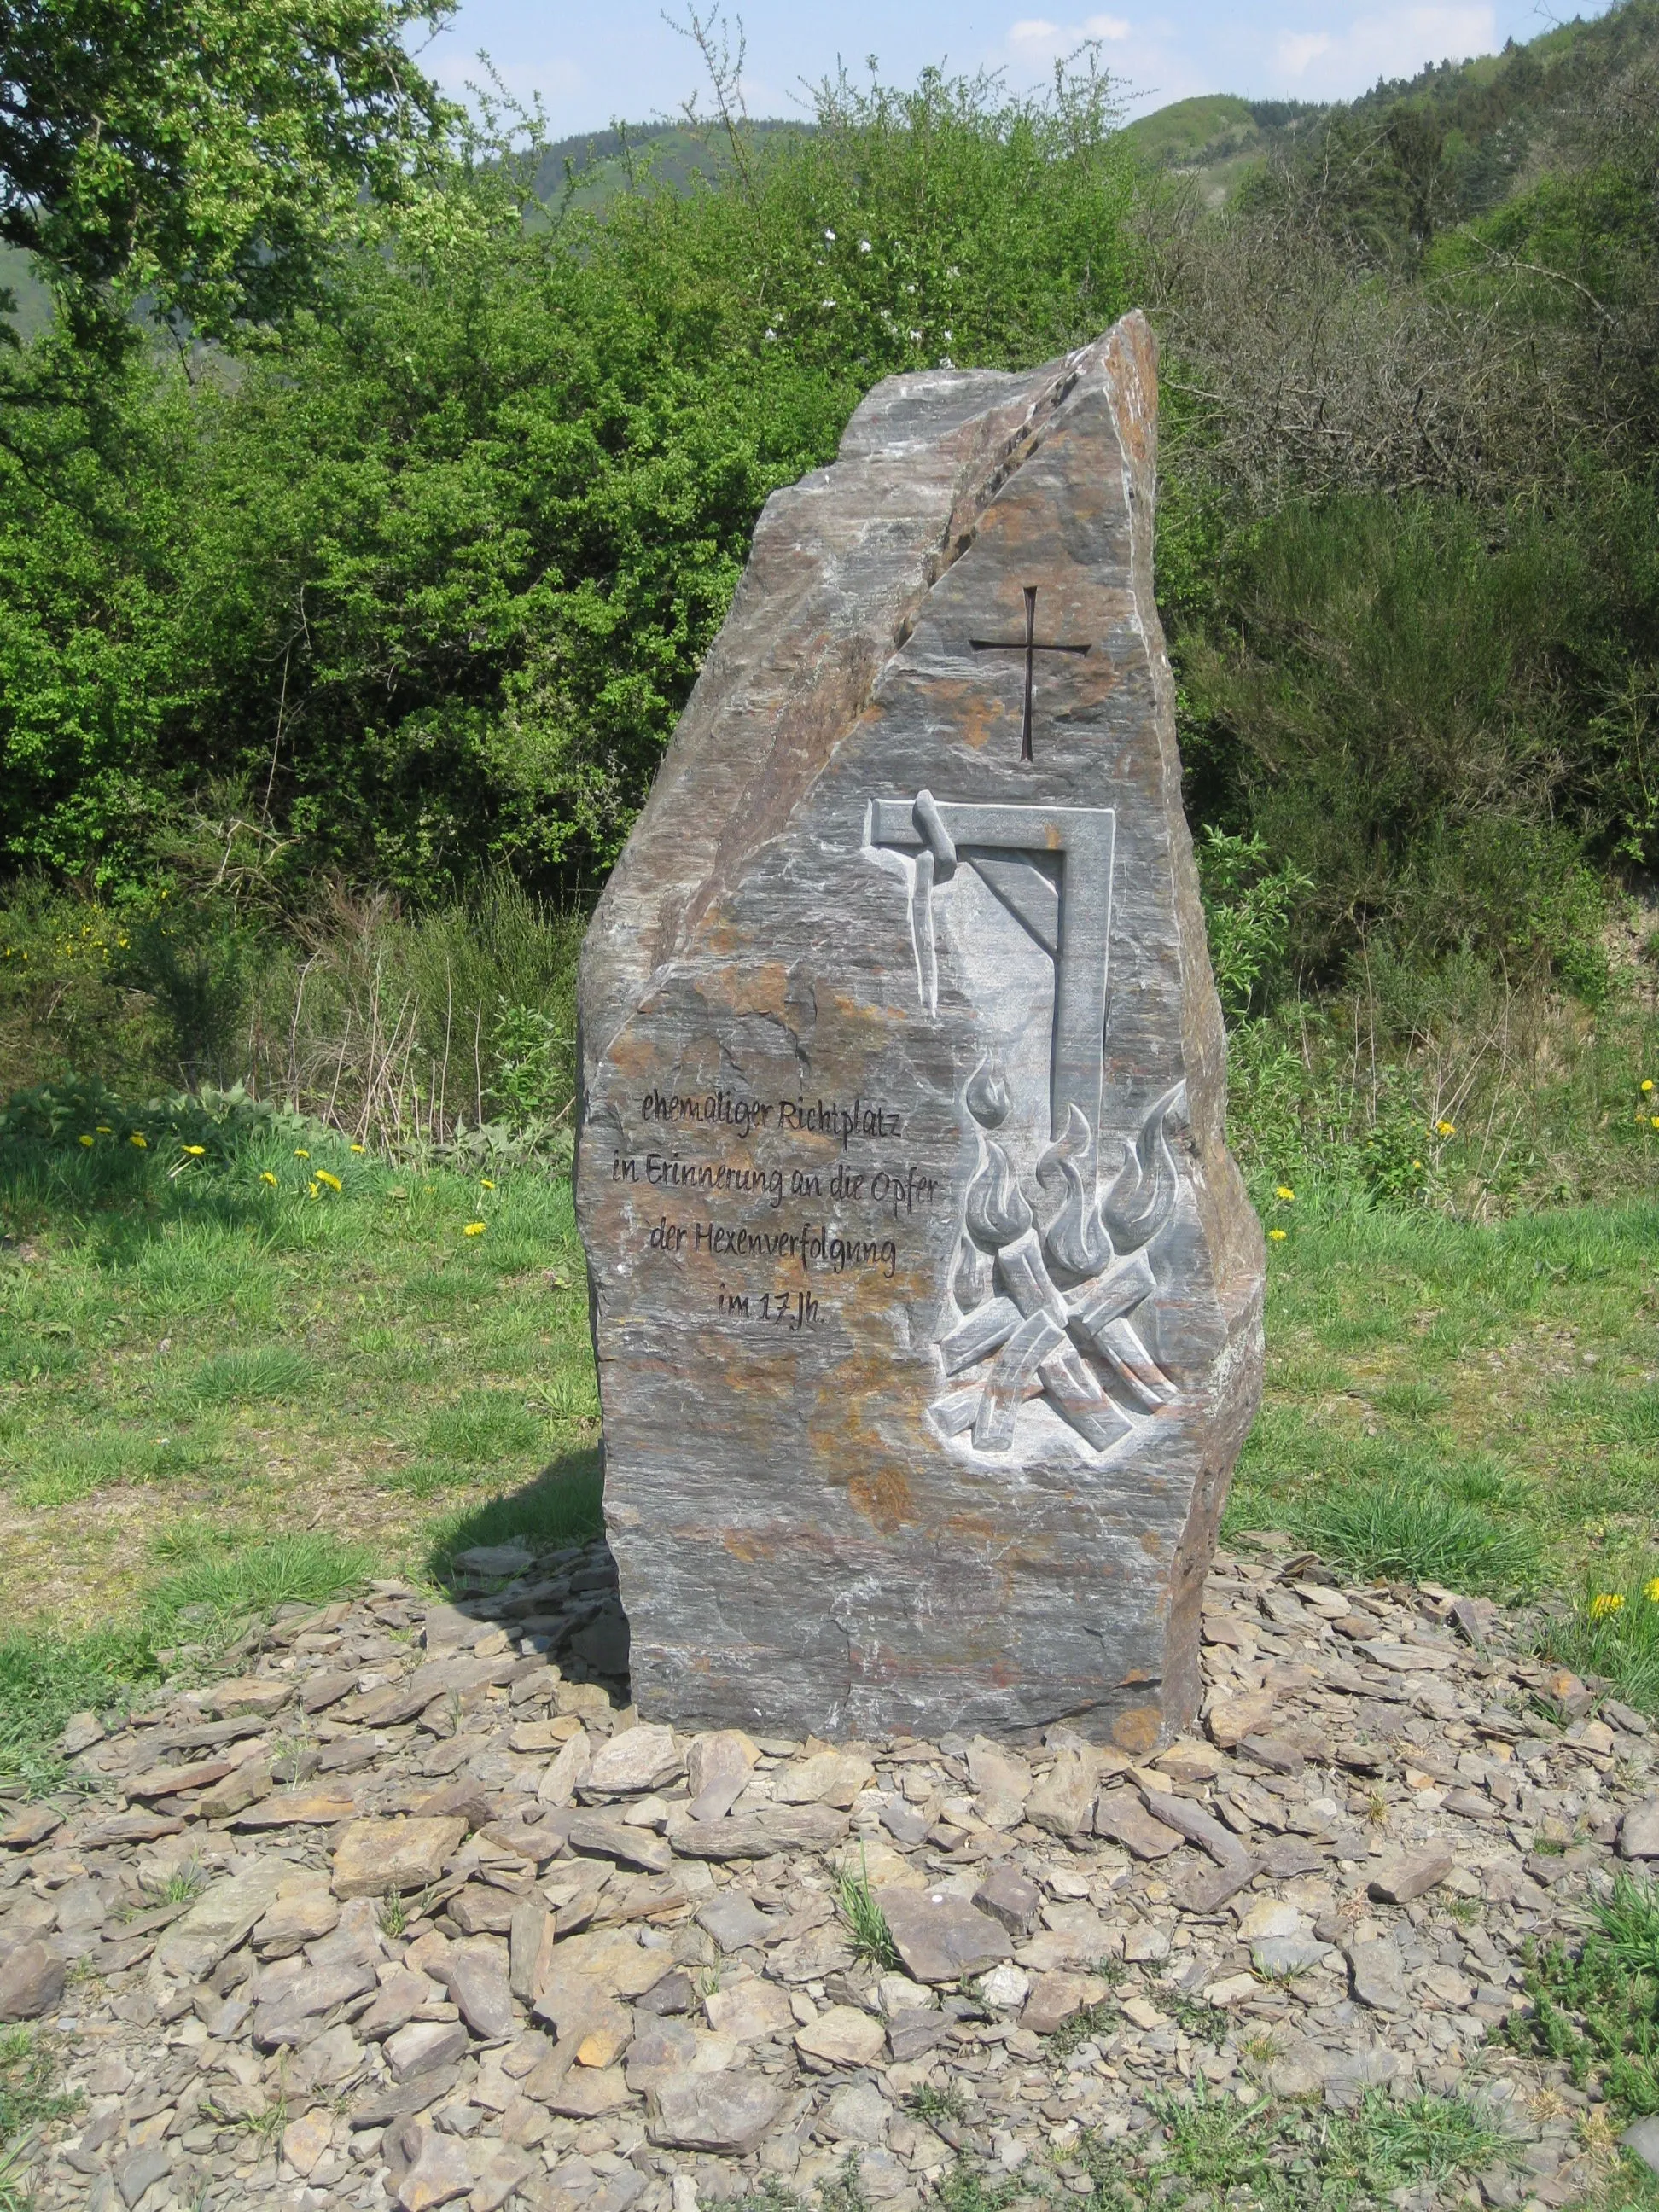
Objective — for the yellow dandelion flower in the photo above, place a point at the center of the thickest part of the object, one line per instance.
(360, 1148)
(1653, 1120)
(310, 1190)
(1285, 1192)
(87, 1141)
(139, 1138)
(1417, 1165)
(104, 1130)
(474, 1229)
(1278, 1235)
(266, 1175)
(194, 1152)
(1445, 1128)
(1647, 1083)
(301, 1153)
(1605, 1604)
(332, 1181)
(1651, 1591)
(484, 1183)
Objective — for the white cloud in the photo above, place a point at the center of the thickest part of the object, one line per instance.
(1035, 38)
(1392, 42)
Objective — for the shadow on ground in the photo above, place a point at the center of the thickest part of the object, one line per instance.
(560, 1507)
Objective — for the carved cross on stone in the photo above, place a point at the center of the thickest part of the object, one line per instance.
(1030, 645)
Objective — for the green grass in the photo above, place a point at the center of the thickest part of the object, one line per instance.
(192, 1344)
(1430, 1414)
(28, 2068)
(865, 1921)
(221, 1584)
(1267, 2154)
(44, 1677)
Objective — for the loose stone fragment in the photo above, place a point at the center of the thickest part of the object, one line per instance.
(831, 1778)
(442, 2172)
(1411, 1877)
(1231, 1719)
(1642, 2137)
(843, 2036)
(1378, 1976)
(308, 2141)
(1063, 1802)
(256, 1694)
(30, 1826)
(32, 1979)
(718, 1765)
(423, 2045)
(956, 736)
(481, 1991)
(724, 2113)
(1191, 1821)
(614, 1840)
(1638, 1836)
(141, 2172)
(1120, 1815)
(374, 1855)
(734, 1920)
(749, 2010)
(1008, 1896)
(641, 1759)
(939, 1936)
(587, 2093)
(759, 1835)
(559, 1784)
(218, 1920)
(1057, 1997)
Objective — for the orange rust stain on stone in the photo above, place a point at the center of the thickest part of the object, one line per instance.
(1151, 1542)
(1136, 1730)
(746, 1544)
(884, 1497)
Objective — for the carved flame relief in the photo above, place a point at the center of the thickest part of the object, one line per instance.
(1047, 1313)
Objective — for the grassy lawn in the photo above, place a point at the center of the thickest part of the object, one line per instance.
(1477, 1404)
(198, 1356)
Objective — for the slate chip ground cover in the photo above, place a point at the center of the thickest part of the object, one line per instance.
(623, 2034)
(194, 1360)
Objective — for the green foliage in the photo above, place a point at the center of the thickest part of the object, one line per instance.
(865, 1921)
(206, 155)
(1412, 1532)
(1597, 2008)
(427, 587)
(218, 1585)
(43, 1679)
(30, 2064)
(1397, 707)
(1613, 1631)
(1247, 908)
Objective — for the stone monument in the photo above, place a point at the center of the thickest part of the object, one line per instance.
(926, 1296)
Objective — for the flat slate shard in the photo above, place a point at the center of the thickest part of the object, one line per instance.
(926, 1296)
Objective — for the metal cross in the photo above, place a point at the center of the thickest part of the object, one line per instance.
(1030, 645)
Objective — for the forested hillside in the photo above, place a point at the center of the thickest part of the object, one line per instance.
(358, 551)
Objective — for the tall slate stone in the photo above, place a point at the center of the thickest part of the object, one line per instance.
(926, 1296)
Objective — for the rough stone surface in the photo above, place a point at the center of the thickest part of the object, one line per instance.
(31, 1979)
(902, 1106)
(941, 1937)
(715, 2112)
(374, 1855)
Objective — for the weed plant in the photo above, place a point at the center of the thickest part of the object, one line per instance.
(865, 1921)
(1597, 2008)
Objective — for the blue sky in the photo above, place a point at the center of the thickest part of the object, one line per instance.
(619, 57)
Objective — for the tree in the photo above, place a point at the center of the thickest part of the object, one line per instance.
(203, 151)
